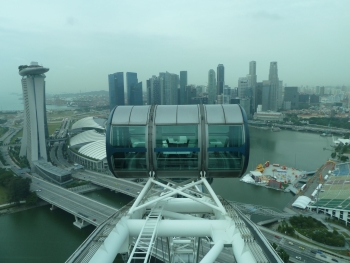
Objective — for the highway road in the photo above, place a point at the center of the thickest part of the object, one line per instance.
(299, 249)
(85, 208)
(109, 181)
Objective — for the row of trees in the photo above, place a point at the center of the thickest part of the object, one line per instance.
(339, 152)
(18, 188)
(14, 153)
(325, 121)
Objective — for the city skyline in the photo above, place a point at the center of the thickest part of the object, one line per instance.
(306, 39)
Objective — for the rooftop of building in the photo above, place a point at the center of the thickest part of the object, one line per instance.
(95, 150)
(90, 122)
(50, 168)
(86, 137)
(33, 69)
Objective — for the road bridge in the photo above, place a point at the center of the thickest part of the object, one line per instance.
(108, 181)
(85, 210)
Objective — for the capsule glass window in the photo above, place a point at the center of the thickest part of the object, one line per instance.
(129, 143)
(225, 147)
(177, 147)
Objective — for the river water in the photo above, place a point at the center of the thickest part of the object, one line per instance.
(40, 235)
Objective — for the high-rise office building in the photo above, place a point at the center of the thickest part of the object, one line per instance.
(33, 143)
(274, 87)
(131, 80)
(136, 96)
(220, 80)
(116, 89)
(253, 84)
(211, 89)
(291, 94)
(265, 98)
(243, 86)
(154, 90)
(183, 84)
(169, 88)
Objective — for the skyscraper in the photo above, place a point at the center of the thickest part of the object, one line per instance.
(116, 89)
(154, 90)
(211, 87)
(33, 86)
(220, 79)
(253, 84)
(183, 84)
(291, 94)
(169, 88)
(136, 97)
(131, 80)
(274, 86)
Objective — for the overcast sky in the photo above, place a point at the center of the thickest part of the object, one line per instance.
(84, 41)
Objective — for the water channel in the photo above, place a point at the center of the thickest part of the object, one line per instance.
(39, 235)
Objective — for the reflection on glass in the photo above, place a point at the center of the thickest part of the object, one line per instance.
(129, 147)
(177, 147)
(224, 148)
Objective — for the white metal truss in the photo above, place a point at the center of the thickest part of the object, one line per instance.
(178, 223)
(146, 239)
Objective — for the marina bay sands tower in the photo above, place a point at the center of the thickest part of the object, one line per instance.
(33, 86)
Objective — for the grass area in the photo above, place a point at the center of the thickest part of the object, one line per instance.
(3, 195)
(18, 134)
(53, 126)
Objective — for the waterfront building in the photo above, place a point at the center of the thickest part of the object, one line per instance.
(52, 173)
(220, 79)
(211, 89)
(291, 95)
(183, 84)
(33, 143)
(268, 115)
(116, 89)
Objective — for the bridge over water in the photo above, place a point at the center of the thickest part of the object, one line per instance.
(85, 210)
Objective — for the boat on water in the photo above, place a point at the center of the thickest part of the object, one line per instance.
(275, 129)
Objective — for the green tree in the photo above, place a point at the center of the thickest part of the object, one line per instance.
(32, 198)
(283, 255)
(18, 189)
(344, 158)
(333, 155)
